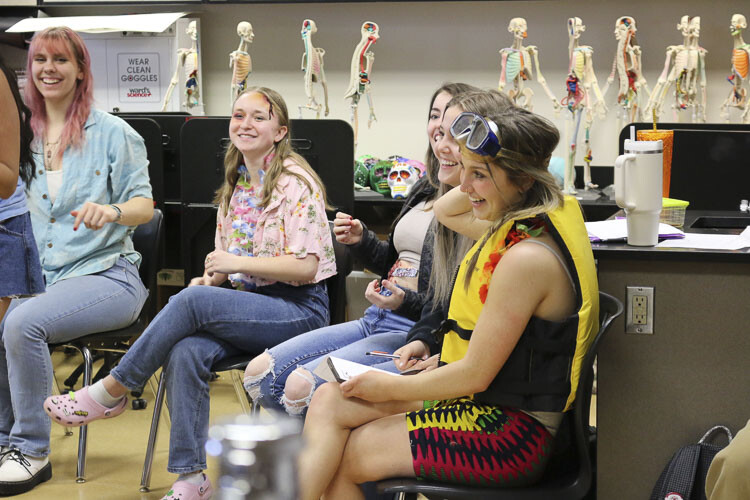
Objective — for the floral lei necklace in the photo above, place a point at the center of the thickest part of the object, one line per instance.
(521, 230)
(246, 210)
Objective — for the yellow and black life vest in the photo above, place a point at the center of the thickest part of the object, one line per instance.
(542, 372)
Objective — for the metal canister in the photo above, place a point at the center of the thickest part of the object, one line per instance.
(258, 457)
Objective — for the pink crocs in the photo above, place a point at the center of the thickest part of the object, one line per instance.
(78, 408)
(183, 490)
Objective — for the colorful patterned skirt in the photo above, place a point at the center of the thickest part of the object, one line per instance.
(464, 442)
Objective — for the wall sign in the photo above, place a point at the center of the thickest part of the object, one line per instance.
(138, 77)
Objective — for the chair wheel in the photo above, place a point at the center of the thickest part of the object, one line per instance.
(139, 404)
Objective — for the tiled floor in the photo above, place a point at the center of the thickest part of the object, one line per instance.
(116, 449)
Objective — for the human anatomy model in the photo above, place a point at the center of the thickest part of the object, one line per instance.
(627, 69)
(685, 68)
(359, 76)
(312, 65)
(187, 59)
(239, 60)
(581, 82)
(737, 97)
(515, 67)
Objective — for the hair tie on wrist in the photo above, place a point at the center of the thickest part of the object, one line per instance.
(119, 212)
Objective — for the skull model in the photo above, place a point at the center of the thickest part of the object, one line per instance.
(419, 166)
(362, 167)
(400, 180)
(414, 163)
(379, 177)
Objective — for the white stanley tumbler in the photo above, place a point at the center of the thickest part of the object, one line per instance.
(638, 178)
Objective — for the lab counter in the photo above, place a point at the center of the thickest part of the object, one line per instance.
(660, 391)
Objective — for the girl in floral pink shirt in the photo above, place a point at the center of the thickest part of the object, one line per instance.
(273, 244)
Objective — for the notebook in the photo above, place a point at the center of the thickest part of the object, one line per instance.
(333, 369)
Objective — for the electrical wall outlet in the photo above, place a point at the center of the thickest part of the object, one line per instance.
(640, 309)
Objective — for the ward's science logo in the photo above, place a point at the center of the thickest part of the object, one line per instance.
(142, 92)
(138, 77)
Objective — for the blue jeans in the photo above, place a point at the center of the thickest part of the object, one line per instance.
(379, 330)
(69, 309)
(202, 325)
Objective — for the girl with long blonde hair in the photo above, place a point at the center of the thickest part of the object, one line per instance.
(273, 244)
(527, 290)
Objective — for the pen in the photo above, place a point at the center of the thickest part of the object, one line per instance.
(389, 356)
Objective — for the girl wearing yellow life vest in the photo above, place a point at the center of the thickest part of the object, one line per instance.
(523, 311)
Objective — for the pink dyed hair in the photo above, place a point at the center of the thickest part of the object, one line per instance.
(64, 41)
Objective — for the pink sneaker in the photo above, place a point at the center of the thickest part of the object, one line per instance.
(183, 490)
(78, 408)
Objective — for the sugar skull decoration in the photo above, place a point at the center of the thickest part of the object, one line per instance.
(379, 177)
(419, 166)
(401, 178)
(361, 176)
(362, 167)
(414, 163)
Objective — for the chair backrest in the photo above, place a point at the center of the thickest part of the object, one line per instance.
(327, 145)
(148, 240)
(609, 309)
(337, 284)
(170, 124)
(151, 133)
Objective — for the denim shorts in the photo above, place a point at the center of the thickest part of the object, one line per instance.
(19, 266)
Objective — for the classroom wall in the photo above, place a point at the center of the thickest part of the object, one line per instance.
(425, 43)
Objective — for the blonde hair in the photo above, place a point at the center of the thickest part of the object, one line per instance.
(449, 247)
(282, 150)
(535, 138)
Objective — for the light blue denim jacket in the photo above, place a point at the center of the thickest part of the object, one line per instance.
(110, 167)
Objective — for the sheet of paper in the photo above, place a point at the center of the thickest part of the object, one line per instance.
(710, 241)
(345, 369)
(155, 23)
(617, 229)
(745, 235)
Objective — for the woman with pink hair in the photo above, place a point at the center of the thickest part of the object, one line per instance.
(92, 190)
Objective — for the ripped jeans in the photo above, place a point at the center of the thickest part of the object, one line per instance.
(378, 330)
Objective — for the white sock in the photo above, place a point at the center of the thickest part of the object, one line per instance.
(195, 478)
(99, 394)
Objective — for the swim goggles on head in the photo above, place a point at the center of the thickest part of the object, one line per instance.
(479, 133)
(481, 137)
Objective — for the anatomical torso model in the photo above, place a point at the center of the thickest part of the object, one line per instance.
(632, 89)
(312, 65)
(515, 68)
(737, 97)
(359, 76)
(239, 60)
(685, 68)
(187, 59)
(584, 97)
